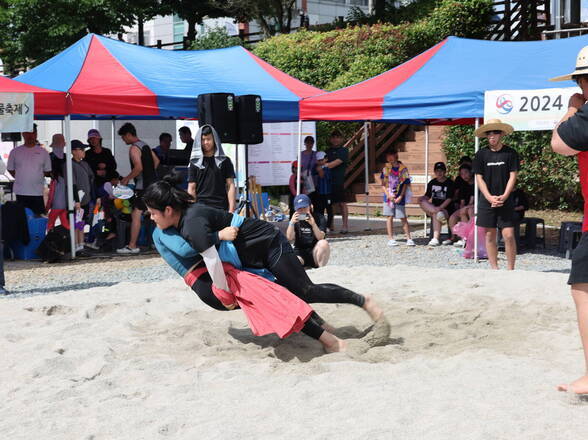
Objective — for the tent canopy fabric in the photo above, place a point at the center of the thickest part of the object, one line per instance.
(106, 77)
(47, 102)
(448, 81)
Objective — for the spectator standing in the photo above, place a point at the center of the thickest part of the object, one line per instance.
(395, 184)
(570, 138)
(211, 179)
(186, 137)
(437, 200)
(292, 187)
(496, 168)
(3, 291)
(324, 185)
(144, 162)
(162, 150)
(83, 179)
(57, 200)
(100, 159)
(307, 172)
(308, 232)
(29, 164)
(337, 157)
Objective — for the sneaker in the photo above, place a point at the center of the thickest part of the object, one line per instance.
(128, 251)
(92, 246)
(441, 216)
(3, 291)
(447, 242)
(434, 242)
(409, 242)
(79, 248)
(392, 243)
(459, 244)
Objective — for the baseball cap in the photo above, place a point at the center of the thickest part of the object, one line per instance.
(93, 133)
(301, 201)
(77, 145)
(440, 166)
(320, 155)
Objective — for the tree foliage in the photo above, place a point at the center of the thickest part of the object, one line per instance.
(216, 38)
(273, 16)
(550, 180)
(194, 12)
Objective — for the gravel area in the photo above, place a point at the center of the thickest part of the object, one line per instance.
(25, 278)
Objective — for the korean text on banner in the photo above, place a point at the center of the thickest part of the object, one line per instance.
(16, 112)
(532, 110)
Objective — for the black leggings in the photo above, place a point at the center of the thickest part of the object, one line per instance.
(203, 288)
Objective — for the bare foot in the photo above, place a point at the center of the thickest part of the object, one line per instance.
(372, 308)
(335, 347)
(579, 386)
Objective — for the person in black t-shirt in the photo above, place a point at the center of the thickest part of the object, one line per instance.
(570, 138)
(458, 182)
(437, 200)
(496, 168)
(211, 179)
(99, 158)
(308, 232)
(186, 137)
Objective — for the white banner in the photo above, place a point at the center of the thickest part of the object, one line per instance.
(270, 162)
(539, 109)
(16, 112)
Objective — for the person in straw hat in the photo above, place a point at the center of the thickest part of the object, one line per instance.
(496, 167)
(570, 138)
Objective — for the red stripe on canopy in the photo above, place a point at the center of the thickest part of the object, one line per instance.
(363, 101)
(92, 93)
(47, 102)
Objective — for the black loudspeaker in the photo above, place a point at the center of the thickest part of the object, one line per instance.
(11, 137)
(219, 110)
(249, 117)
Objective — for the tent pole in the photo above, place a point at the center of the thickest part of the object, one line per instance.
(112, 140)
(367, 174)
(237, 167)
(299, 157)
(426, 172)
(476, 195)
(69, 181)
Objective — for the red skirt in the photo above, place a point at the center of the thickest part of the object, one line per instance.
(269, 307)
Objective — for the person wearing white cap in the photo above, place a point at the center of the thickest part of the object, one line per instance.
(496, 168)
(100, 159)
(570, 138)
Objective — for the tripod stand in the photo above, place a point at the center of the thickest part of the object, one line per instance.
(244, 201)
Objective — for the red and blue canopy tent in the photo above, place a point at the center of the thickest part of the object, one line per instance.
(47, 102)
(446, 83)
(103, 78)
(106, 78)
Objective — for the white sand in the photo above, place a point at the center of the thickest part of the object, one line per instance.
(475, 359)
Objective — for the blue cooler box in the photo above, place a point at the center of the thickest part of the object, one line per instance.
(37, 232)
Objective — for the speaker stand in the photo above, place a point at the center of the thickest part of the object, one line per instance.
(244, 201)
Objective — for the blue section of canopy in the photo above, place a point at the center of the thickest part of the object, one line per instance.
(452, 83)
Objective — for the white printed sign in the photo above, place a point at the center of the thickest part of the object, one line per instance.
(270, 162)
(539, 109)
(16, 112)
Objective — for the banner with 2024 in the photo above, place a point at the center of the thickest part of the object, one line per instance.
(532, 110)
(16, 112)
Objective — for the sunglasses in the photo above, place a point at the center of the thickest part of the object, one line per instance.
(494, 132)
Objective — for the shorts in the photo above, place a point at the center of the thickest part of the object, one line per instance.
(502, 217)
(34, 203)
(398, 211)
(579, 272)
(307, 257)
(338, 194)
(137, 201)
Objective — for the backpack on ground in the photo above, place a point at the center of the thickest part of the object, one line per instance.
(55, 246)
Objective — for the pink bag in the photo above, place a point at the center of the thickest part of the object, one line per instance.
(467, 231)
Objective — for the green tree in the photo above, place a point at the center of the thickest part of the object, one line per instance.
(194, 12)
(216, 38)
(273, 16)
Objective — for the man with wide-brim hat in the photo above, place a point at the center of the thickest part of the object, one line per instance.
(570, 138)
(496, 167)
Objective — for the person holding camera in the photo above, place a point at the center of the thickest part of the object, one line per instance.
(308, 232)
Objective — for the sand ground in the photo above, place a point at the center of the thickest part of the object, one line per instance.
(473, 354)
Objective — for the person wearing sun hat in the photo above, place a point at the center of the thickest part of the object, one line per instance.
(496, 167)
(570, 138)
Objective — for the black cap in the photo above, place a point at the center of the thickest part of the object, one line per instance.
(77, 145)
(440, 166)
